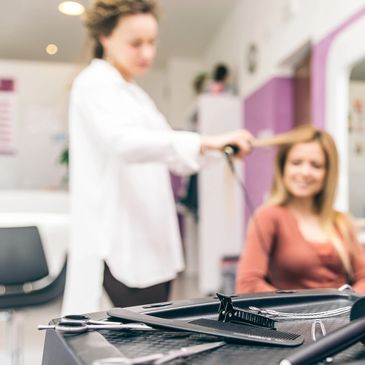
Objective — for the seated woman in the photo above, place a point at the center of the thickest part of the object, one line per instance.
(298, 240)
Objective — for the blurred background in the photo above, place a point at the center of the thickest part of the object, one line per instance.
(289, 61)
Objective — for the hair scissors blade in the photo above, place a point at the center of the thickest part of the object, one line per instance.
(79, 327)
(84, 319)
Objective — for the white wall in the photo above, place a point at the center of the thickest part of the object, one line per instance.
(181, 72)
(278, 28)
(171, 89)
(155, 83)
(42, 93)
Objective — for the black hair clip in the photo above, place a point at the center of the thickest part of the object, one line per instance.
(228, 313)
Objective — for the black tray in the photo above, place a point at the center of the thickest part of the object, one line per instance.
(85, 349)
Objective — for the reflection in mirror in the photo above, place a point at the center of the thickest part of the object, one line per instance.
(356, 135)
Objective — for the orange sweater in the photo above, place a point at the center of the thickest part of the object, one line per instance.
(284, 259)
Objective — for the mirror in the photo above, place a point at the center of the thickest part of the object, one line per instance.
(356, 140)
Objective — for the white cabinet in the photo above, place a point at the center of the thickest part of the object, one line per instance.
(220, 198)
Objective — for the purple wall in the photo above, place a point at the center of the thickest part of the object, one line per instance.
(318, 70)
(270, 107)
(7, 85)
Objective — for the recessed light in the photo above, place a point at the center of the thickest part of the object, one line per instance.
(71, 8)
(51, 49)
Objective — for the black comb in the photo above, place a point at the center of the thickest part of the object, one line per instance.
(272, 335)
(227, 335)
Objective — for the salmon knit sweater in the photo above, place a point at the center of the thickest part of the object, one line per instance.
(277, 256)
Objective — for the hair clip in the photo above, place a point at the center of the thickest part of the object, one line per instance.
(228, 313)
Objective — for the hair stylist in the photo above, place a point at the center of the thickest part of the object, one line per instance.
(124, 227)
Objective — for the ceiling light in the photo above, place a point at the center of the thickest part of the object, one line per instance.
(51, 49)
(71, 8)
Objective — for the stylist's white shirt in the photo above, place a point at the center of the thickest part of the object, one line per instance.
(122, 206)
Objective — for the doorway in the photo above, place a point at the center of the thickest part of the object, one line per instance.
(356, 140)
(302, 91)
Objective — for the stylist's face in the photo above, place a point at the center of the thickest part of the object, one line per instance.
(305, 170)
(131, 46)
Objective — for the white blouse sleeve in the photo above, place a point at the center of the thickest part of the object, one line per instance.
(115, 123)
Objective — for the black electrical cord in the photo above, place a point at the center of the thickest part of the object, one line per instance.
(229, 151)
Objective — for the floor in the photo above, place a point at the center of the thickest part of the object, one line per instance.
(30, 341)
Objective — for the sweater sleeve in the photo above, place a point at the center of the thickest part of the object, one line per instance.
(254, 261)
(357, 260)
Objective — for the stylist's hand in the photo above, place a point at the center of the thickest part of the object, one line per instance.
(242, 138)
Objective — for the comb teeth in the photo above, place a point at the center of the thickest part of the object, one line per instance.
(267, 333)
(251, 318)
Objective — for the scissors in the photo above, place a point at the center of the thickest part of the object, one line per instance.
(158, 358)
(84, 319)
(78, 323)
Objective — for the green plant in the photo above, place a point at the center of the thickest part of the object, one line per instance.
(64, 156)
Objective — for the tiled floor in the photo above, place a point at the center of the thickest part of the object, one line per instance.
(31, 340)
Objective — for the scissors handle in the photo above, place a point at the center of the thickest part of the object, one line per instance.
(84, 319)
(66, 328)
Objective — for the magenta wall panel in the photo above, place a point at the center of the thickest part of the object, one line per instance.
(269, 108)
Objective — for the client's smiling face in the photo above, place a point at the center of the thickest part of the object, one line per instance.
(305, 170)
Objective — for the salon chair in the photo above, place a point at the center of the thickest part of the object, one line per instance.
(24, 277)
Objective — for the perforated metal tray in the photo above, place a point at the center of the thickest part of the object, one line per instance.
(133, 343)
